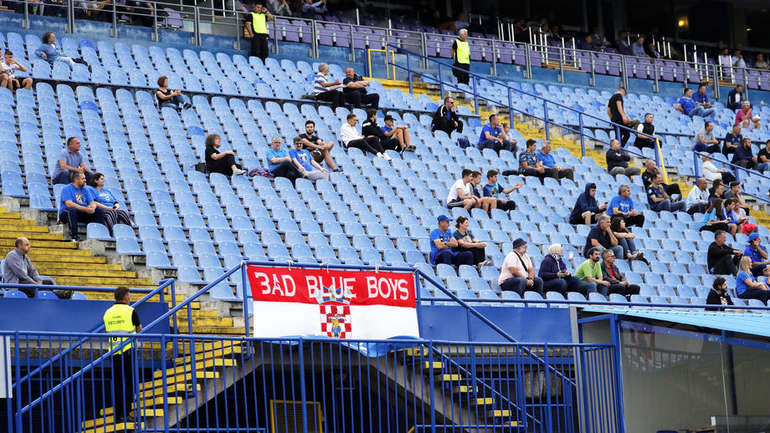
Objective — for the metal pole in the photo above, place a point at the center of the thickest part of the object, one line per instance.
(352, 48)
(154, 23)
(593, 70)
(238, 31)
(545, 118)
(706, 65)
(655, 86)
(512, 32)
(510, 107)
(574, 54)
(494, 58)
(475, 95)
(358, 18)
(562, 59)
(528, 61)
(685, 52)
(745, 82)
(26, 14)
(530, 34)
(424, 44)
(582, 135)
(624, 71)
(197, 27)
(545, 48)
(314, 45)
(275, 37)
(716, 83)
(114, 29)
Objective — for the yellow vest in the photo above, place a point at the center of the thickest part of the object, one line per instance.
(118, 319)
(258, 23)
(463, 52)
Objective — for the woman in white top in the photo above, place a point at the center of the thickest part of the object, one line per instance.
(712, 173)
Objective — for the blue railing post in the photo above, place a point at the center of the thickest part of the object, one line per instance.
(137, 392)
(618, 377)
(244, 283)
(548, 412)
(302, 389)
(475, 95)
(510, 107)
(408, 74)
(695, 165)
(431, 387)
(440, 82)
(582, 135)
(545, 119)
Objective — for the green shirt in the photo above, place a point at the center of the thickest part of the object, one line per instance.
(589, 269)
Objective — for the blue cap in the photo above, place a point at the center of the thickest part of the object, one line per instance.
(444, 218)
(753, 236)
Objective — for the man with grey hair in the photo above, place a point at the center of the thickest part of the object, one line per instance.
(601, 236)
(461, 53)
(18, 269)
(324, 90)
(698, 198)
(557, 277)
(617, 161)
(623, 205)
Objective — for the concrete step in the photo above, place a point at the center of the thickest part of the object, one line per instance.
(200, 365)
(93, 271)
(146, 413)
(40, 245)
(214, 354)
(172, 378)
(54, 266)
(9, 228)
(105, 281)
(209, 321)
(109, 428)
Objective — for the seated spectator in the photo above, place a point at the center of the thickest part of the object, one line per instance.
(350, 137)
(467, 242)
(492, 137)
(715, 218)
(758, 256)
(735, 97)
(735, 193)
(590, 271)
(744, 156)
(712, 173)
(310, 8)
(717, 190)
(78, 206)
(530, 165)
(701, 97)
(704, 141)
(626, 239)
(8, 68)
(744, 115)
(445, 119)
(687, 106)
(738, 60)
(737, 217)
(18, 268)
(484, 202)
(170, 98)
(622, 205)
(495, 190)
(104, 199)
(649, 174)
(442, 243)
(325, 90)
(732, 140)
(517, 272)
(718, 295)
(321, 150)
(554, 170)
(70, 161)
(460, 194)
(725, 59)
(602, 237)
(647, 128)
(659, 200)
(587, 43)
(305, 163)
(637, 48)
(48, 52)
(617, 160)
(617, 282)
(651, 51)
(279, 162)
(586, 210)
(698, 198)
(755, 122)
(746, 284)
(763, 158)
(400, 133)
(355, 91)
(506, 135)
(370, 128)
(557, 278)
(721, 258)
(220, 162)
(760, 62)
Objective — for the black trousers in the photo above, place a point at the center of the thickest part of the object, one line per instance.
(762, 295)
(697, 208)
(672, 189)
(631, 289)
(448, 126)
(116, 216)
(334, 96)
(714, 227)
(479, 254)
(390, 143)
(288, 170)
(625, 134)
(222, 165)
(636, 220)
(359, 99)
(506, 205)
(727, 265)
(72, 216)
(462, 76)
(370, 144)
(259, 46)
(122, 383)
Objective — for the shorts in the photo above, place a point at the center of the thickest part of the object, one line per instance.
(458, 202)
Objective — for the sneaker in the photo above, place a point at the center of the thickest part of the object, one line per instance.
(379, 155)
(642, 259)
(239, 171)
(186, 105)
(386, 157)
(485, 263)
(75, 239)
(411, 148)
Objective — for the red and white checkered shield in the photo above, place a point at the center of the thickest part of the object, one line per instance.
(335, 319)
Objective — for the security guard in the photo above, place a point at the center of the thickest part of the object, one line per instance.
(122, 318)
(256, 28)
(461, 53)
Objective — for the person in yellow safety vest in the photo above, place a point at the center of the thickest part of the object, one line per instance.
(256, 29)
(461, 53)
(121, 318)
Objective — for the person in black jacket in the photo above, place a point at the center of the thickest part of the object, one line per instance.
(611, 273)
(718, 294)
(445, 119)
(587, 211)
(370, 128)
(722, 259)
(617, 160)
(648, 128)
(735, 98)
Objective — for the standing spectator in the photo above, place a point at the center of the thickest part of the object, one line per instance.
(305, 163)
(758, 255)
(704, 141)
(256, 29)
(623, 205)
(48, 52)
(325, 90)
(8, 68)
(355, 91)
(688, 106)
(460, 193)
(659, 200)
(586, 210)
(701, 97)
(735, 97)
(725, 60)
(370, 128)
(461, 53)
(441, 244)
(649, 174)
(715, 218)
(321, 150)
(104, 199)
(732, 141)
(626, 239)
(70, 161)
(602, 237)
(220, 162)
(746, 284)
(170, 98)
(698, 198)
(350, 137)
(637, 48)
(517, 272)
(279, 162)
(760, 62)
(495, 190)
(612, 275)
(648, 129)
(18, 268)
(554, 170)
(78, 206)
(617, 160)
(744, 115)
(722, 259)
(590, 271)
(712, 173)
(763, 158)
(718, 295)
(530, 165)
(400, 133)
(617, 114)
(467, 242)
(744, 156)
(557, 278)
(445, 119)
(492, 137)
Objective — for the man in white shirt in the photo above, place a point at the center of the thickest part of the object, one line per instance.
(517, 272)
(8, 68)
(698, 198)
(350, 137)
(712, 173)
(460, 193)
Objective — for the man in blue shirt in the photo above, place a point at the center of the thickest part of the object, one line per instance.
(305, 163)
(546, 158)
(494, 189)
(279, 162)
(758, 256)
(70, 161)
(623, 205)
(442, 243)
(733, 140)
(701, 97)
(688, 106)
(491, 137)
(77, 205)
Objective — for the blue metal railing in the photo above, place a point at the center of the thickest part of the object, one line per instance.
(737, 169)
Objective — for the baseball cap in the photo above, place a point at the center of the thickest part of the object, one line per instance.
(444, 218)
(753, 236)
(388, 117)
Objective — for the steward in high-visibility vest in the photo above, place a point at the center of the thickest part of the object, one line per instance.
(461, 53)
(256, 28)
(123, 319)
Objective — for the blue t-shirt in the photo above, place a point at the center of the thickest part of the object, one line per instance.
(272, 153)
(653, 191)
(71, 159)
(623, 204)
(700, 97)
(104, 196)
(546, 159)
(495, 190)
(753, 254)
(733, 139)
(494, 132)
(81, 196)
(438, 234)
(304, 158)
(386, 129)
(687, 104)
(740, 284)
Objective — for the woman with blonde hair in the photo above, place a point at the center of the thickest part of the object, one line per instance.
(747, 286)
